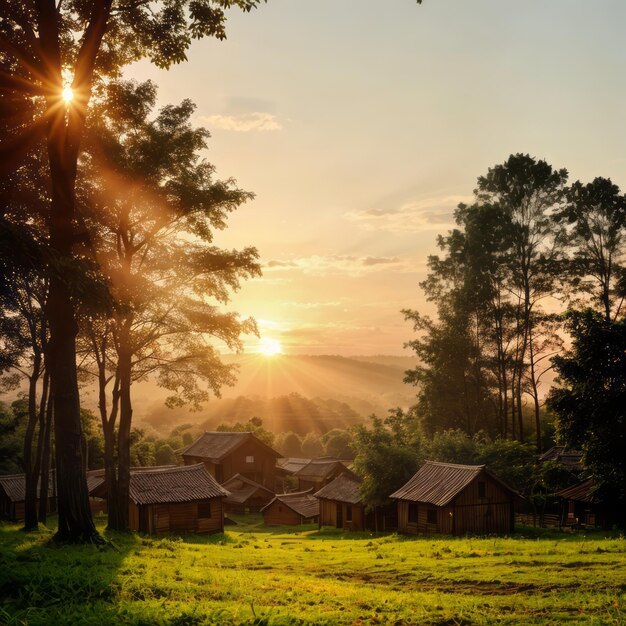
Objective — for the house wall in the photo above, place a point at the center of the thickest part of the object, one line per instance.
(180, 517)
(14, 511)
(443, 525)
(278, 514)
(490, 514)
(328, 515)
(262, 470)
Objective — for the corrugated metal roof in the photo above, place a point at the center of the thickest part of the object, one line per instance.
(14, 486)
(343, 489)
(216, 445)
(581, 492)
(161, 485)
(438, 483)
(302, 502)
(242, 488)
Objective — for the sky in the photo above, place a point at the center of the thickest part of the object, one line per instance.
(361, 124)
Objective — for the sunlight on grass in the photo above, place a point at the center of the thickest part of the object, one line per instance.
(302, 575)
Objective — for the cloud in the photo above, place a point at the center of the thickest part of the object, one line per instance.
(249, 122)
(426, 214)
(337, 264)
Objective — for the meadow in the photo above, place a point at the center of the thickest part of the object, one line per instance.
(284, 576)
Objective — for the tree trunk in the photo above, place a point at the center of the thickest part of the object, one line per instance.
(45, 459)
(30, 476)
(123, 444)
(75, 520)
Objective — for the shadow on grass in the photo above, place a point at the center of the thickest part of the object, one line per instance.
(42, 582)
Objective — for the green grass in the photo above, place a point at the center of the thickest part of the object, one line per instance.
(255, 575)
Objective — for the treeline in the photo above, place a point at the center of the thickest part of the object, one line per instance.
(526, 249)
(531, 279)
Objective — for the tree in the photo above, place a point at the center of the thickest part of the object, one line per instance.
(289, 444)
(590, 402)
(338, 443)
(152, 208)
(387, 455)
(597, 215)
(87, 42)
(530, 192)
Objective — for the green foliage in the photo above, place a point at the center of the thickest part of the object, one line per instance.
(590, 404)
(289, 444)
(312, 446)
(387, 455)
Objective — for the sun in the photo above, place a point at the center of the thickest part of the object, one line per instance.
(270, 347)
(67, 94)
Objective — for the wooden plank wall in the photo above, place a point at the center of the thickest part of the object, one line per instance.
(278, 514)
(328, 515)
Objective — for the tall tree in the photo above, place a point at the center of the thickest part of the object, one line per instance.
(58, 45)
(152, 210)
(530, 192)
(597, 215)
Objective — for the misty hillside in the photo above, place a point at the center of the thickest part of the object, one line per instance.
(300, 393)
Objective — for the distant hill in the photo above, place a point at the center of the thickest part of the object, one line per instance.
(300, 393)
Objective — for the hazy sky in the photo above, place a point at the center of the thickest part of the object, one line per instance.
(360, 124)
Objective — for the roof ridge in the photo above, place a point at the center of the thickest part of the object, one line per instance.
(463, 465)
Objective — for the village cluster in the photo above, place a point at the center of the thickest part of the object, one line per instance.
(235, 472)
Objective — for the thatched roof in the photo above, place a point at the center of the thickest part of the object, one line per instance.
(301, 502)
(242, 488)
(344, 488)
(215, 445)
(439, 483)
(580, 492)
(14, 485)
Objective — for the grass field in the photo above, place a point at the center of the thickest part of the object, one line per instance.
(254, 575)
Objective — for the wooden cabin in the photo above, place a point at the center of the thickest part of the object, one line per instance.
(581, 507)
(341, 506)
(13, 496)
(246, 496)
(170, 499)
(445, 498)
(227, 454)
(569, 460)
(292, 509)
(319, 472)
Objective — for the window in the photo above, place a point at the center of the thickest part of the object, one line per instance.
(482, 491)
(412, 513)
(204, 509)
(348, 512)
(431, 516)
(250, 459)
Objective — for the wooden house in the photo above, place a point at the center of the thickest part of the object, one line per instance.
(170, 499)
(292, 509)
(455, 499)
(581, 507)
(319, 472)
(246, 496)
(13, 496)
(226, 454)
(341, 506)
